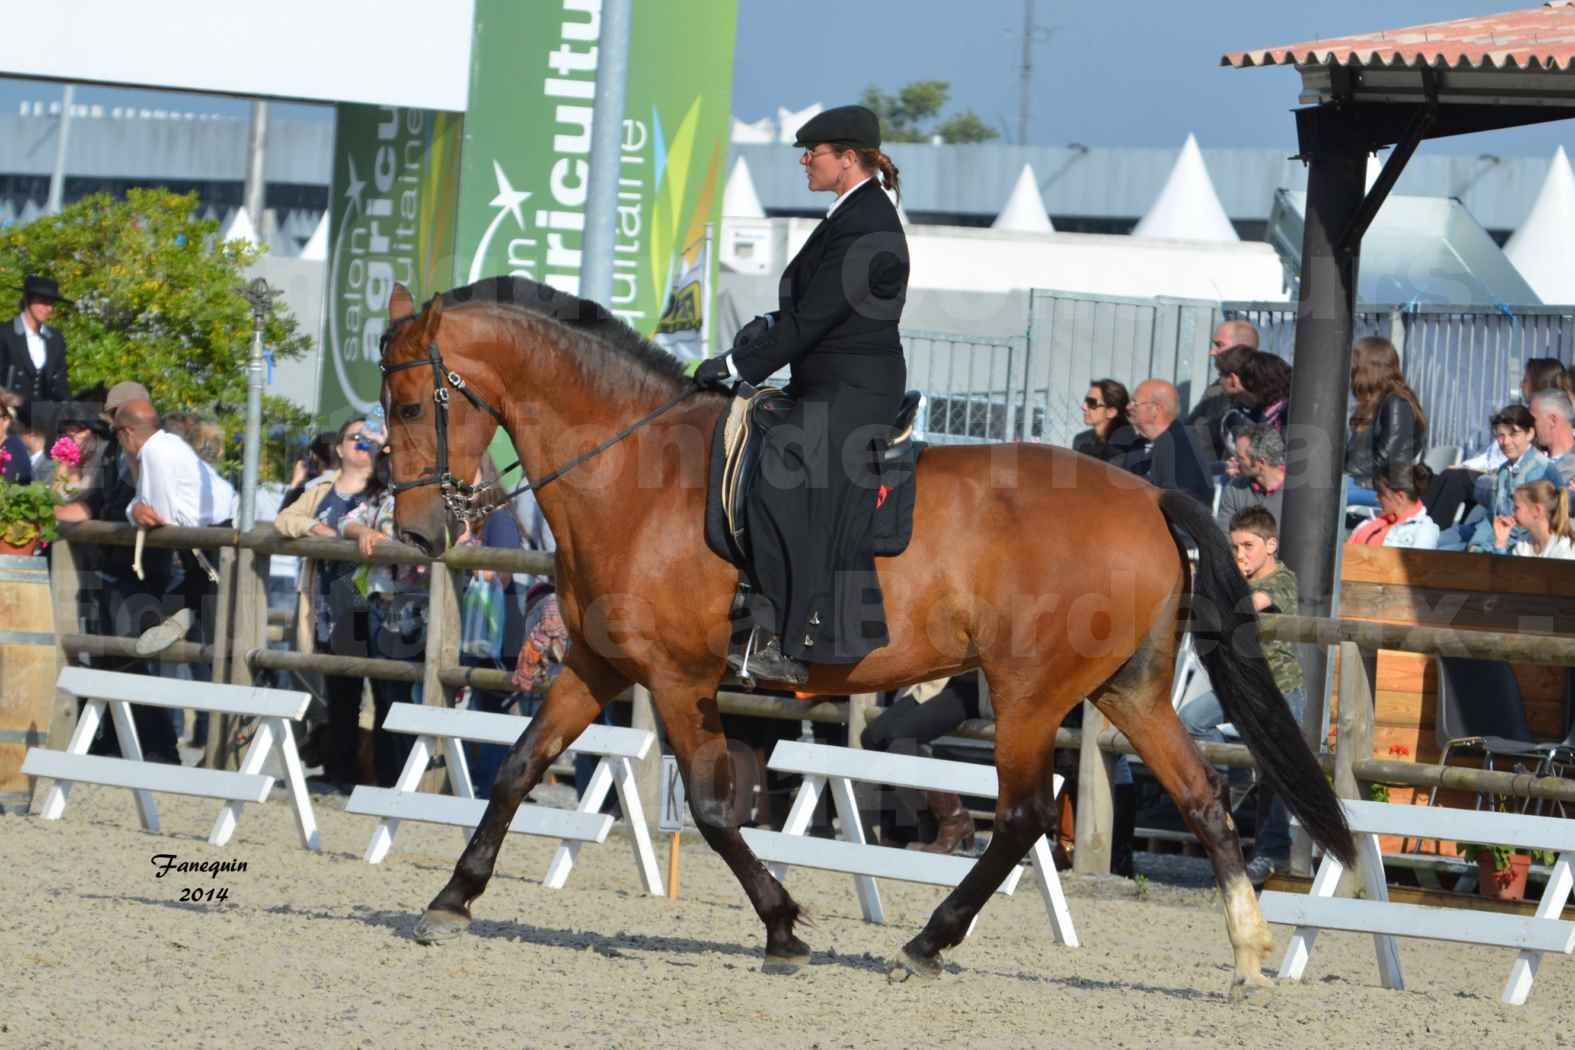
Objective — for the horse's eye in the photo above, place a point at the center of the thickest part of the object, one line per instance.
(410, 411)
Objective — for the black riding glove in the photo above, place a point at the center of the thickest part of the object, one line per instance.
(713, 372)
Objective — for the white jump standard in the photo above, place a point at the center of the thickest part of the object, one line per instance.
(275, 709)
(447, 728)
(838, 767)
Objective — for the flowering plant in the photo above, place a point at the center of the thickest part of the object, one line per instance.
(66, 451)
(27, 512)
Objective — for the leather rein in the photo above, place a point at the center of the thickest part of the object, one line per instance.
(470, 503)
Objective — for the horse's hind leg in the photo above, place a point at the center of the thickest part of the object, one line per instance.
(1137, 702)
(1024, 810)
(576, 698)
(694, 732)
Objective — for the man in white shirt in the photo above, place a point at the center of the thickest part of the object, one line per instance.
(174, 487)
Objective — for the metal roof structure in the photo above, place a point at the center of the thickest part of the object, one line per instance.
(1489, 59)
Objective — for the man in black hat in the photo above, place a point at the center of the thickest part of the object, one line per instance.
(33, 355)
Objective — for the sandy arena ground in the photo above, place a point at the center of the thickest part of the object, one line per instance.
(315, 951)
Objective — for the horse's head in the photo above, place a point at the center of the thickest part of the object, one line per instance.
(437, 435)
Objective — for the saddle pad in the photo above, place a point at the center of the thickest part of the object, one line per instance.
(891, 529)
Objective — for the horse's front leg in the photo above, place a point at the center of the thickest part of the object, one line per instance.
(694, 732)
(576, 698)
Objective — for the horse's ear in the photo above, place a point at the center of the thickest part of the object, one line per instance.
(428, 321)
(400, 304)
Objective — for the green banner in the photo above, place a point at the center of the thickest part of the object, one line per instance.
(395, 195)
(528, 139)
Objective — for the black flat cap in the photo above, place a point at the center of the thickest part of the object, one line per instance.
(852, 125)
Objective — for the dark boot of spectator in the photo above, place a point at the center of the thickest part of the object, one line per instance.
(953, 824)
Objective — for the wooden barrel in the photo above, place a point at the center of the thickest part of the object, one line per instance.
(27, 672)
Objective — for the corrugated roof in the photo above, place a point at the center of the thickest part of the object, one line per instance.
(1542, 38)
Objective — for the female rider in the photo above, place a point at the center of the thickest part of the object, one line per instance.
(809, 509)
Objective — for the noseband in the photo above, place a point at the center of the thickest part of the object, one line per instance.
(470, 503)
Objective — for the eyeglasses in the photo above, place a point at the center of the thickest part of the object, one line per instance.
(363, 445)
(813, 152)
(1093, 402)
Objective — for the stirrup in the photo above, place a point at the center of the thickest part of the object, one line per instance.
(763, 658)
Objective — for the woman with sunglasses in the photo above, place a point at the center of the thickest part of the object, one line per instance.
(1109, 436)
(339, 623)
(810, 508)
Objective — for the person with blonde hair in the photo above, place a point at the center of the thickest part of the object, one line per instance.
(1387, 425)
(1542, 509)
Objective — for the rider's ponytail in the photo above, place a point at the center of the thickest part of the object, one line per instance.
(875, 160)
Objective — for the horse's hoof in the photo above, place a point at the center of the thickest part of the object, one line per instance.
(909, 964)
(439, 927)
(1244, 989)
(783, 965)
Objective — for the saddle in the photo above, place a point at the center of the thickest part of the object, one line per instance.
(735, 452)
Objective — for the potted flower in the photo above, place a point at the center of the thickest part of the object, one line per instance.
(1501, 871)
(27, 515)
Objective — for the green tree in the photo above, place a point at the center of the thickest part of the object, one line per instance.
(156, 300)
(903, 116)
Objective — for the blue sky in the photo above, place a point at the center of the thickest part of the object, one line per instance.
(1139, 73)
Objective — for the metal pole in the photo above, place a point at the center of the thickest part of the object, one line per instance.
(261, 298)
(1320, 389)
(256, 157)
(705, 290)
(57, 179)
(1027, 72)
(612, 72)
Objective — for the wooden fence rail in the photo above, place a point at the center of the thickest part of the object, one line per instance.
(246, 626)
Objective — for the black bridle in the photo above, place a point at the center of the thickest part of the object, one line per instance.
(470, 503)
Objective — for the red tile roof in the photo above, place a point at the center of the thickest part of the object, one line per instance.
(1542, 38)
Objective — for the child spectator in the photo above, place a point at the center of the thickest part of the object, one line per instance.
(1254, 537)
(1542, 512)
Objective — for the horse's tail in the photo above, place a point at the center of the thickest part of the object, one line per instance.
(1225, 629)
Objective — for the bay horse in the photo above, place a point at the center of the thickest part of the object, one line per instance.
(1057, 575)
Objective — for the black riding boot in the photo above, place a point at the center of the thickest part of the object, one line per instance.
(756, 651)
(1123, 832)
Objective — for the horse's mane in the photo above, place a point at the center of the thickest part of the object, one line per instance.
(603, 339)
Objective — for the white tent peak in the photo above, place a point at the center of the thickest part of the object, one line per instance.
(1375, 165)
(1540, 248)
(316, 247)
(240, 228)
(1024, 211)
(789, 121)
(1187, 209)
(739, 199)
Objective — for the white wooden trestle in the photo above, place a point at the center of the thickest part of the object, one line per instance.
(823, 766)
(275, 709)
(446, 729)
(1376, 914)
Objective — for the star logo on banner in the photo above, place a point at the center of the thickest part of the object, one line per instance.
(354, 189)
(508, 203)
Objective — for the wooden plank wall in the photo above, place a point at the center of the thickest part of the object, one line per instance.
(1468, 591)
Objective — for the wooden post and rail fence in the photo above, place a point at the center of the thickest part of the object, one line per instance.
(242, 630)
